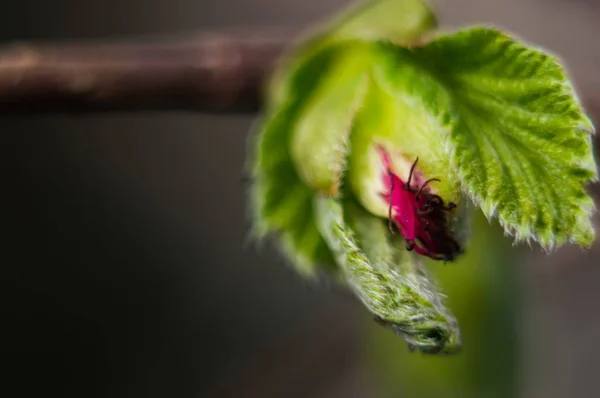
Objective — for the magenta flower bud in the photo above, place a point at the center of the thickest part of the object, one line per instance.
(421, 216)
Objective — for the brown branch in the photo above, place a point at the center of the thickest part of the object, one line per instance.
(213, 73)
(207, 73)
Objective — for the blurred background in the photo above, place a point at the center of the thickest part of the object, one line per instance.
(125, 265)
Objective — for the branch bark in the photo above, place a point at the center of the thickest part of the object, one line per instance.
(210, 73)
(213, 73)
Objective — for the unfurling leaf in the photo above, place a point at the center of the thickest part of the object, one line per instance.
(390, 282)
(519, 138)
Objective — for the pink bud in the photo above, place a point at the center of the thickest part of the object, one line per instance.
(420, 215)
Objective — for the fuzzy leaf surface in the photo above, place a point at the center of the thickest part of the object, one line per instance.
(515, 131)
(391, 282)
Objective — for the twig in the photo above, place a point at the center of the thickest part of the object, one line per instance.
(211, 73)
(207, 73)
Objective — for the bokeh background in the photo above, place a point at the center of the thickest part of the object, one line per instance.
(125, 266)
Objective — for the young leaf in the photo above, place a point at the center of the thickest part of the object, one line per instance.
(281, 203)
(402, 22)
(320, 138)
(519, 139)
(390, 281)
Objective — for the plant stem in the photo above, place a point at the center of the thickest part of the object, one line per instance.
(211, 73)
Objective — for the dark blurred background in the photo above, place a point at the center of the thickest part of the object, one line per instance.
(125, 265)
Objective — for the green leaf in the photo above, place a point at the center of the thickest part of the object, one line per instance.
(320, 138)
(282, 205)
(400, 21)
(397, 21)
(485, 294)
(391, 282)
(516, 133)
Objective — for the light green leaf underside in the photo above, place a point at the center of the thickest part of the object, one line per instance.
(397, 21)
(390, 281)
(282, 205)
(319, 144)
(518, 136)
